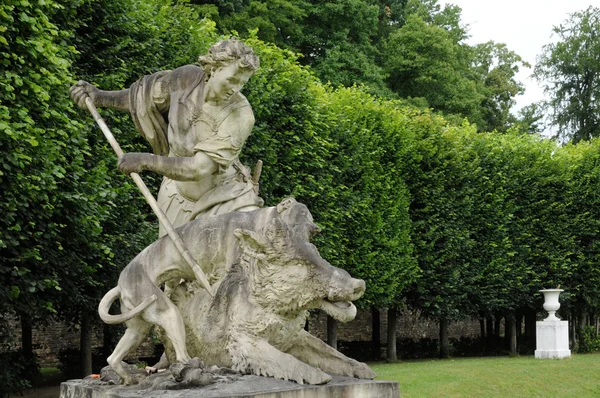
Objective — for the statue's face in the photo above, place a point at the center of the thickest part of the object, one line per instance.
(227, 81)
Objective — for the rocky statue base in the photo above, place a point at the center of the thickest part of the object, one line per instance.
(552, 339)
(222, 382)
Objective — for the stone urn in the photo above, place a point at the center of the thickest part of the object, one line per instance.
(551, 303)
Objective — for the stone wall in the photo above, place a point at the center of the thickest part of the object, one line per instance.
(49, 340)
(409, 325)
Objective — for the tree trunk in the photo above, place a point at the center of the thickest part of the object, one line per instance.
(444, 343)
(391, 334)
(497, 320)
(530, 326)
(85, 345)
(489, 342)
(331, 332)
(482, 333)
(581, 324)
(511, 333)
(519, 325)
(376, 334)
(26, 337)
(573, 329)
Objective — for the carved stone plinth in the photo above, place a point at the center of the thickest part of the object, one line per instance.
(247, 386)
(552, 339)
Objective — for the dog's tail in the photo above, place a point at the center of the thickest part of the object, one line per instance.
(110, 297)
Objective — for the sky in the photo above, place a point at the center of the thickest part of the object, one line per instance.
(524, 25)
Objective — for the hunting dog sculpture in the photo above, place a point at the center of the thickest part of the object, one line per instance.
(266, 275)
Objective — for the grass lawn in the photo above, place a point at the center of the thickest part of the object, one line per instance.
(50, 376)
(578, 376)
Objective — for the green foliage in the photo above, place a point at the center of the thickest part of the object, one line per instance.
(495, 67)
(570, 73)
(277, 21)
(491, 218)
(16, 372)
(372, 138)
(583, 198)
(412, 49)
(70, 363)
(338, 152)
(530, 119)
(428, 211)
(341, 50)
(69, 223)
(117, 42)
(120, 40)
(423, 60)
(589, 341)
(46, 190)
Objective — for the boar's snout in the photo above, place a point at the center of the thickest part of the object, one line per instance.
(354, 290)
(359, 288)
(343, 287)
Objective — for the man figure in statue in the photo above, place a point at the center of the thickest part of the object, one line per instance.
(196, 121)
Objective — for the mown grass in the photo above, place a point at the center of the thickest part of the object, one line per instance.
(49, 377)
(578, 376)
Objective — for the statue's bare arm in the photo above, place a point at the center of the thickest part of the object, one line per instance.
(100, 98)
(190, 168)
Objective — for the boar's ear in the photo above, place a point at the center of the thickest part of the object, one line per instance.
(250, 241)
(285, 204)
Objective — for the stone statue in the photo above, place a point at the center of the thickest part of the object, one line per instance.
(197, 121)
(267, 276)
(259, 261)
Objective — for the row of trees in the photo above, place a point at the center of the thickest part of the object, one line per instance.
(430, 212)
(70, 221)
(409, 49)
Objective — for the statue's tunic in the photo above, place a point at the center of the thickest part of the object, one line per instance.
(166, 107)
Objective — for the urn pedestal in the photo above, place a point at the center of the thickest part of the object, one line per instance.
(552, 334)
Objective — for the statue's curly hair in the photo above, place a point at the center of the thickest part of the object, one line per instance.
(226, 52)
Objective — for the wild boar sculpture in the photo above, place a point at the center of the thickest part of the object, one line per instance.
(266, 275)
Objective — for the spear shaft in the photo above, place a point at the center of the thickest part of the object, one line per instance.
(183, 250)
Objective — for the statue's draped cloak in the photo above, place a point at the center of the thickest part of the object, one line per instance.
(178, 94)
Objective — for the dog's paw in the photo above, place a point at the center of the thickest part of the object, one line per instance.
(315, 376)
(362, 371)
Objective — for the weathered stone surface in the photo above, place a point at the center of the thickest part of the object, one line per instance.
(267, 276)
(197, 121)
(247, 386)
(265, 273)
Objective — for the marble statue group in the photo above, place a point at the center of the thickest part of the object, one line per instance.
(264, 272)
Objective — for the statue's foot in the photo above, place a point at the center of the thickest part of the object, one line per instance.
(180, 370)
(195, 363)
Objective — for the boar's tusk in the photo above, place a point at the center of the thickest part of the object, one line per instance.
(343, 311)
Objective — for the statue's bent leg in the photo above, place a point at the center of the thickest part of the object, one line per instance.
(259, 357)
(137, 331)
(315, 352)
(169, 318)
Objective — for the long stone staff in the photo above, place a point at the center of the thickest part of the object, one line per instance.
(185, 253)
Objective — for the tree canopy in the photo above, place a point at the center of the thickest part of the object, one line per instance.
(410, 49)
(570, 72)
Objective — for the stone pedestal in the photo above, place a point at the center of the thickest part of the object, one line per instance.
(552, 339)
(245, 386)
